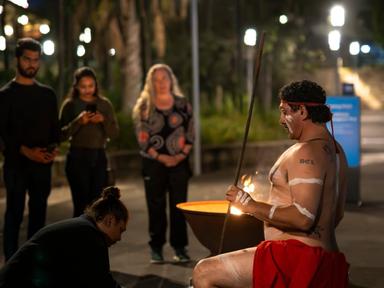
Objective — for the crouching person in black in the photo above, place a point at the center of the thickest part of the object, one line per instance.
(73, 252)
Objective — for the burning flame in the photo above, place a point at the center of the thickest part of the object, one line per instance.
(247, 181)
(235, 211)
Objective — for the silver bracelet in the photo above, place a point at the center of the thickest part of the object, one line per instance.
(272, 211)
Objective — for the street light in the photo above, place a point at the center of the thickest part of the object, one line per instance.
(112, 52)
(86, 36)
(337, 19)
(365, 49)
(21, 3)
(3, 43)
(8, 30)
(250, 38)
(23, 19)
(283, 19)
(44, 29)
(334, 39)
(48, 47)
(354, 48)
(337, 16)
(80, 51)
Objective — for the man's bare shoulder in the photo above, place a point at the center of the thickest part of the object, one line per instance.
(312, 153)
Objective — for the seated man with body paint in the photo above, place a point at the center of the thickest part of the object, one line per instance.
(306, 203)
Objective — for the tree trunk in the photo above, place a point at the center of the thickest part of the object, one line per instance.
(131, 62)
(145, 37)
(184, 4)
(219, 98)
(265, 81)
(158, 30)
(102, 18)
(268, 83)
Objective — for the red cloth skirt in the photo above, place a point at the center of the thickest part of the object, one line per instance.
(291, 263)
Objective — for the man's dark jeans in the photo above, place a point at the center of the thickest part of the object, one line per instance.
(35, 179)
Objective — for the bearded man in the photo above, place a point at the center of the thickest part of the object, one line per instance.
(29, 132)
(306, 203)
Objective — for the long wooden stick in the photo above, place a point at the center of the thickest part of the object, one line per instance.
(259, 53)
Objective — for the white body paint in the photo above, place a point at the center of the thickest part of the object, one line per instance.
(289, 120)
(242, 197)
(272, 211)
(304, 211)
(230, 267)
(296, 181)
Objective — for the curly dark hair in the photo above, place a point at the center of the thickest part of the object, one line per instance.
(108, 203)
(307, 91)
(27, 43)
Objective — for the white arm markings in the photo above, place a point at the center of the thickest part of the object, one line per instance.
(297, 181)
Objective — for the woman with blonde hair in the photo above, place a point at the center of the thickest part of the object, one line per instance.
(164, 129)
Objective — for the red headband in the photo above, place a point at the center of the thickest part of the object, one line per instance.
(304, 103)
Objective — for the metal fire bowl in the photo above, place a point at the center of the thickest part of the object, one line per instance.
(206, 219)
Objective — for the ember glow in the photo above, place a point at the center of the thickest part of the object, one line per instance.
(248, 185)
(235, 211)
(248, 182)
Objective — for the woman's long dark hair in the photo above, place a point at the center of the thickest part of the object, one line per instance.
(77, 76)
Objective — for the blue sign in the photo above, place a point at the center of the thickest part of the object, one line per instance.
(346, 123)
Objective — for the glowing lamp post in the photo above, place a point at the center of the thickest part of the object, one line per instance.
(337, 16)
(365, 49)
(283, 19)
(334, 39)
(22, 3)
(3, 43)
(48, 47)
(337, 19)
(354, 48)
(250, 38)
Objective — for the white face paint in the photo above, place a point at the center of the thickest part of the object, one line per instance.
(288, 122)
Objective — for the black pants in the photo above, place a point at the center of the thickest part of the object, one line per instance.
(36, 179)
(159, 179)
(86, 174)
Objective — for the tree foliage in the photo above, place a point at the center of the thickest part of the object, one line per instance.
(144, 32)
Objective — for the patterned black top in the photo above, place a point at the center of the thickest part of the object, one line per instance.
(166, 131)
